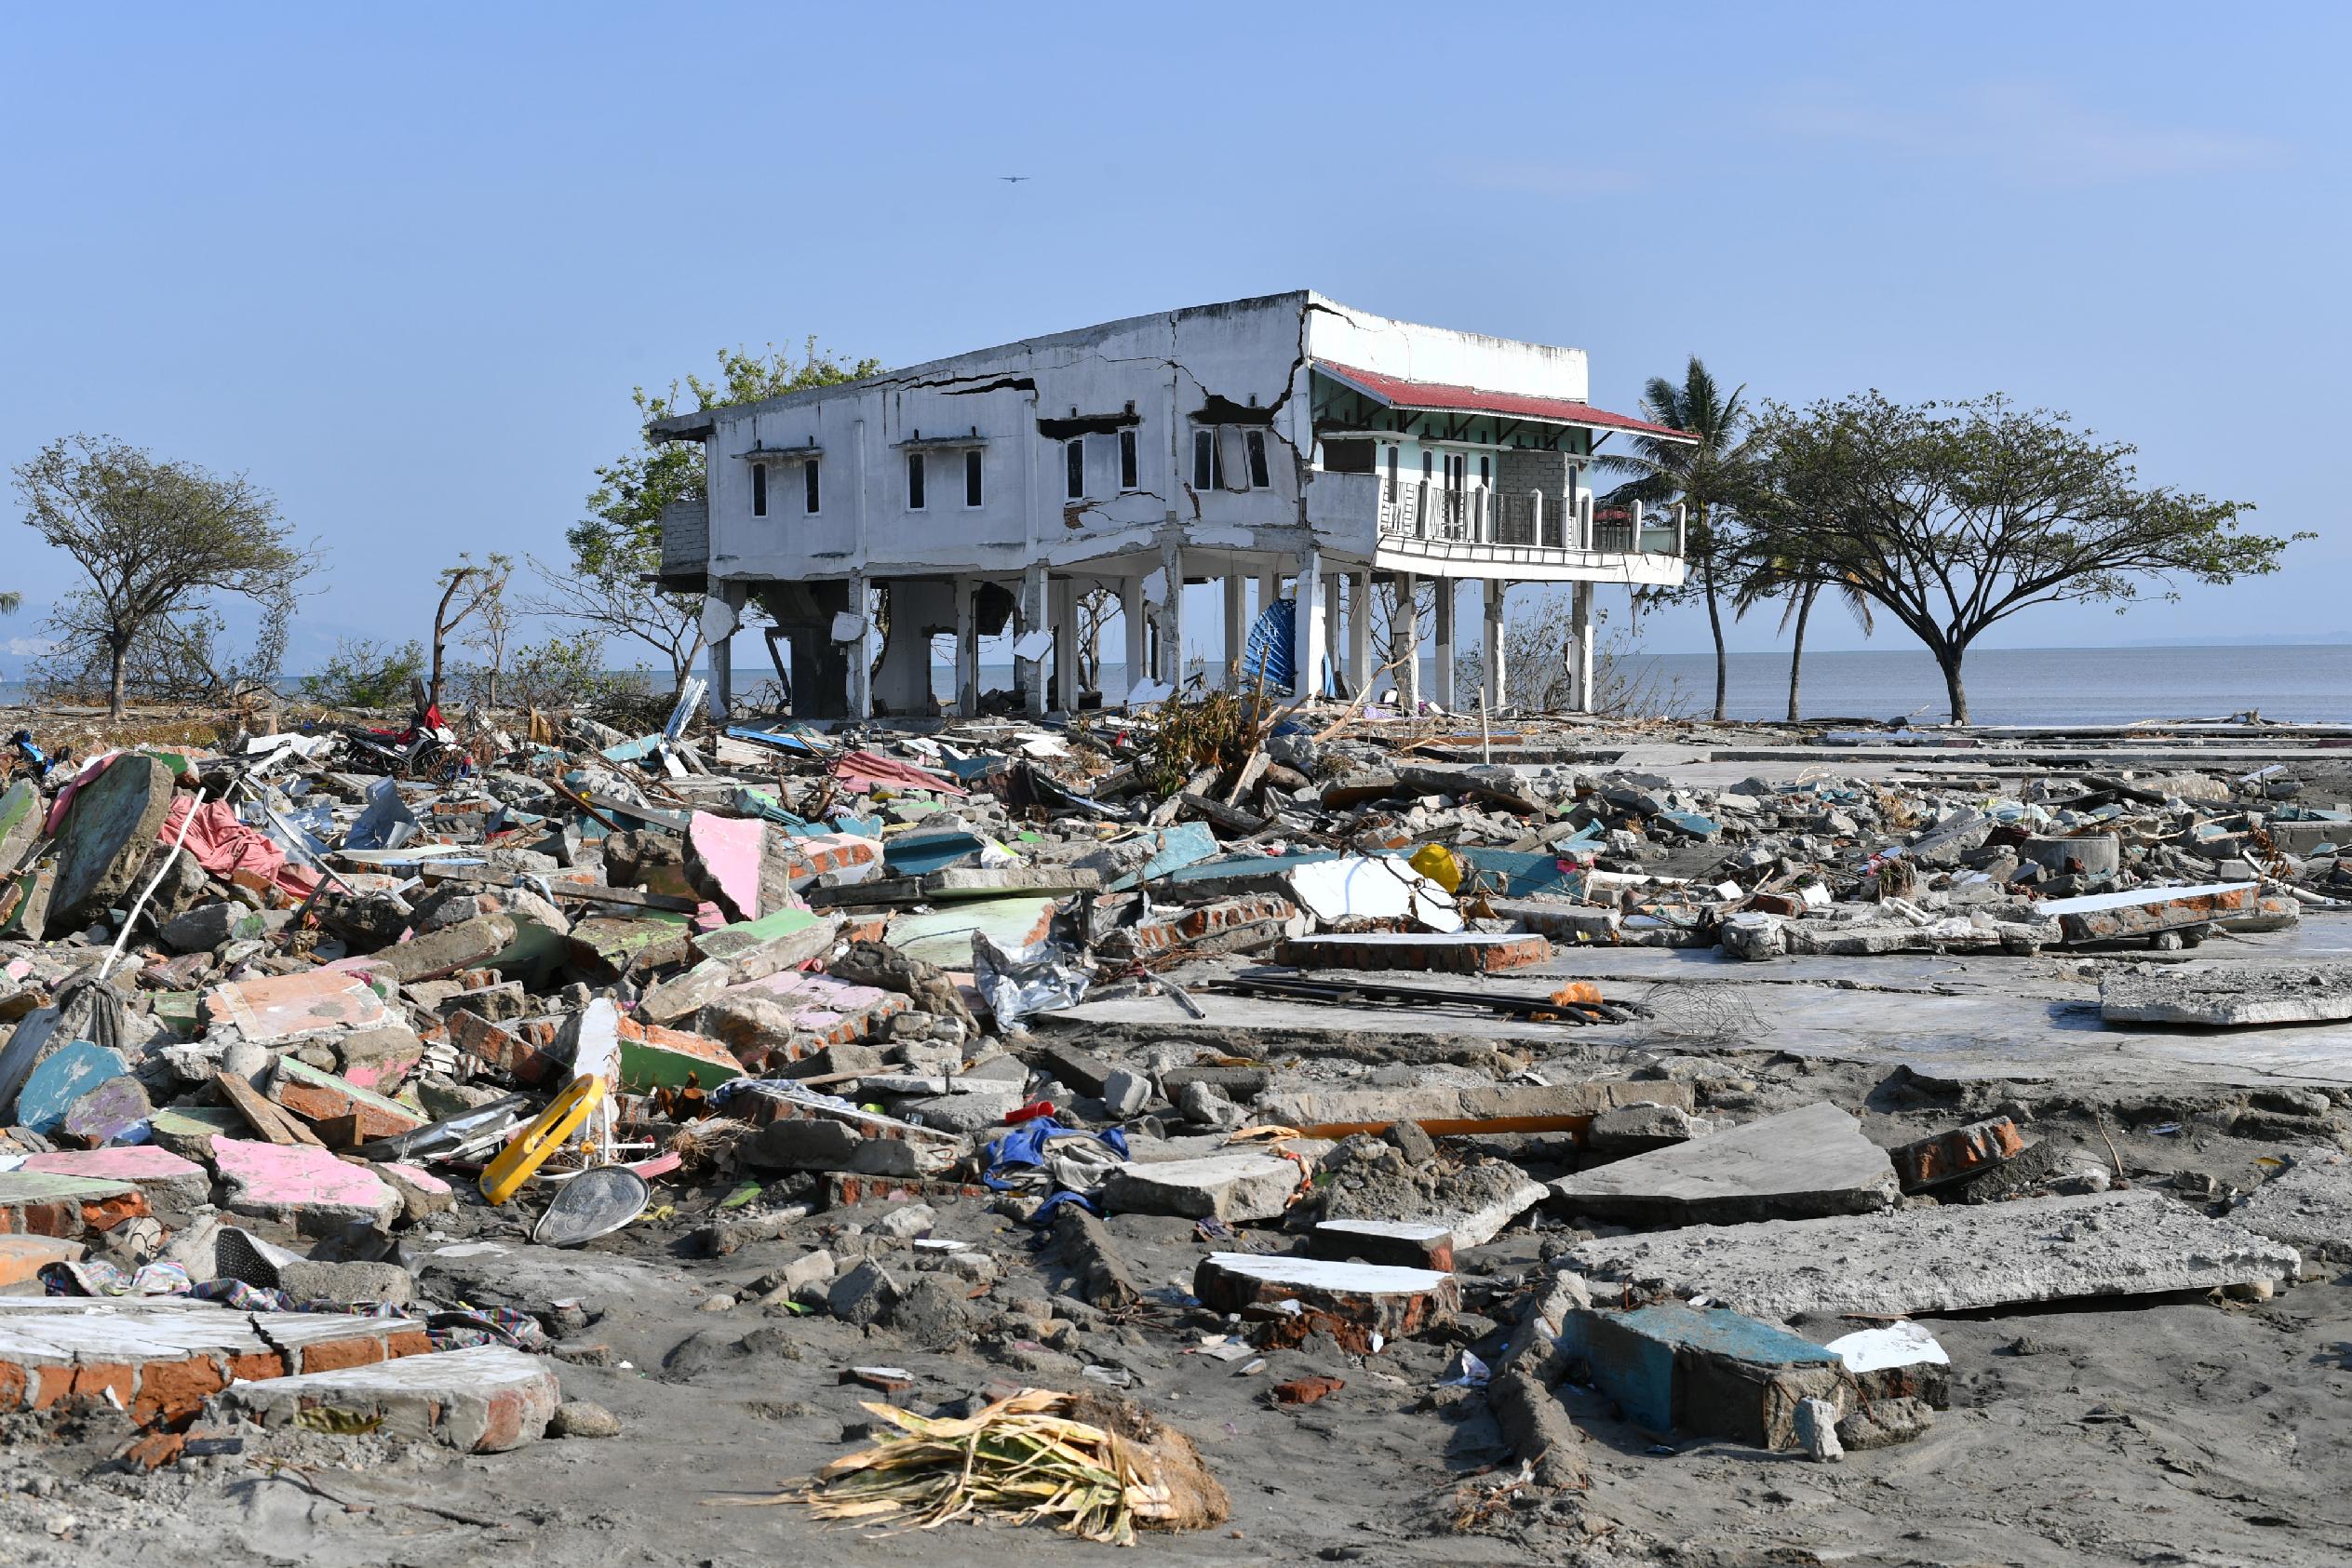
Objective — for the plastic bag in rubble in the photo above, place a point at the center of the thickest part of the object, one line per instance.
(1046, 979)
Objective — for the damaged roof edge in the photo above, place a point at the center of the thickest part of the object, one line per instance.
(694, 426)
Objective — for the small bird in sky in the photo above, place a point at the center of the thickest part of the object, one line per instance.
(1012, 179)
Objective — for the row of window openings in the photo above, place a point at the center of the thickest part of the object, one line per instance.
(1208, 471)
(1457, 470)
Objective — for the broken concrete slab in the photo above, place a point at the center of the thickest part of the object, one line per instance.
(37, 1204)
(1439, 952)
(114, 1110)
(1949, 1258)
(467, 945)
(1394, 1302)
(276, 1008)
(168, 1180)
(302, 1186)
(104, 839)
(1393, 1243)
(1800, 1165)
(321, 1097)
(1447, 1109)
(652, 1057)
(484, 1399)
(2308, 1205)
(23, 1257)
(51, 1089)
(2150, 911)
(2228, 995)
(1232, 1187)
(1714, 1373)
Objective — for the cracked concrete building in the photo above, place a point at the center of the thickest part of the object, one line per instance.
(1290, 441)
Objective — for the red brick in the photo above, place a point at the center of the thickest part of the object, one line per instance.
(334, 1355)
(406, 1342)
(256, 1367)
(173, 1389)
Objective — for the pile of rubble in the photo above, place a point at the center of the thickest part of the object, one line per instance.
(283, 1033)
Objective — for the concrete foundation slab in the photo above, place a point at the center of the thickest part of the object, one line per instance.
(1801, 1164)
(481, 1401)
(2229, 995)
(1394, 1302)
(1231, 1187)
(1947, 1259)
(2307, 1206)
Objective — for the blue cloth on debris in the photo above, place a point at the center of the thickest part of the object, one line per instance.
(1268, 652)
(1024, 1149)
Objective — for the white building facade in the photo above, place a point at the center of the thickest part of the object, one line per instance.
(1288, 441)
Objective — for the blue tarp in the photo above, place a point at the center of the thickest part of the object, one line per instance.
(1268, 652)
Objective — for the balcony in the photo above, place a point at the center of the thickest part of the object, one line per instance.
(1477, 527)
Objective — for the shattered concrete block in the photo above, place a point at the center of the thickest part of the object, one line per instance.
(276, 1009)
(115, 1111)
(35, 1203)
(863, 1294)
(1801, 1163)
(809, 1144)
(1568, 924)
(208, 925)
(2228, 995)
(1440, 953)
(1639, 1128)
(1125, 1091)
(320, 1096)
(1104, 1279)
(1232, 1187)
(1445, 1111)
(1714, 1373)
(1816, 1431)
(468, 944)
(1882, 1422)
(502, 1050)
(51, 1089)
(652, 1057)
(1539, 1429)
(1948, 1258)
(301, 1186)
(1753, 936)
(377, 1059)
(161, 1362)
(23, 1257)
(188, 1131)
(168, 1180)
(2308, 1205)
(1394, 1243)
(484, 1399)
(1964, 1151)
(105, 838)
(1393, 1301)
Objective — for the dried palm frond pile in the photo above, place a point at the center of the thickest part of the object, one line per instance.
(1098, 1468)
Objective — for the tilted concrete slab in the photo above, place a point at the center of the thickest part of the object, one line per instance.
(1446, 1108)
(1390, 1301)
(167, 1179)
(299, 1186)
(2307, 1206)
(1801, 1164)
(480, 1400)
(1224, 1186)
(2228, 995)
(1946, 1259)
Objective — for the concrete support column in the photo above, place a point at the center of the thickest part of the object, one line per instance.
(1034, 617)
(1269, 588)
(1360, 632)
(1065, 602)
(1236, 628)
(1444, 685)
(1331, 621)
(1306, 627)
(861, 650)
(1132, 624)
(1491, 665)
(967, 704)
(1569, 531)
(1584, 648)
(1171, 670)
(722, 698)
(1405, 644)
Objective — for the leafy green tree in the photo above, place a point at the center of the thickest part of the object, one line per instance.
(1953, 516)
(1708, 475)
(1775, 567)
(367, 674)
(157, 540)
(615, 551)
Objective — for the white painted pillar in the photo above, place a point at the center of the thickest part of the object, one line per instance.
(967, 649)
(722, 677)
(1236, 628)
(1405, 645)
(1034, 617)
(1132, 624)
(862, 650)
(1444, 684)
(1269, 588)
(1065, 602)
(1360, 632)
(1568, 525)
(1584, 648)
(1491, 666)
(1331, 622)
(1306, 627)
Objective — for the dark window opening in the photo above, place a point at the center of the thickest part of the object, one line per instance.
(914, 481)
(1074, 461)
(809, 485)
(758, 489)
(1428, 466)
(1350, 456)
(1127, 465)
(1485, 469)
(1392, 474)
(1254, 442)
(972, 478)
(1204, 458)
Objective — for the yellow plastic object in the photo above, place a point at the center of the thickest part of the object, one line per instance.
(520, 1159)
(1437, 862)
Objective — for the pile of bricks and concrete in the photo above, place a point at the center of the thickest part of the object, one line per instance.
(1341, 1018)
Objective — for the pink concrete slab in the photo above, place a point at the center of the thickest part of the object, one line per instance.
(164, 1177)
(289, 1006)
(418, 1177)
(815, 1001)
(297, 1185)
(729, 849)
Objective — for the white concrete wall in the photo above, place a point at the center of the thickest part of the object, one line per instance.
(1344, 336)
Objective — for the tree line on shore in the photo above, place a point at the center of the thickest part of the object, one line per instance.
(1945, 518)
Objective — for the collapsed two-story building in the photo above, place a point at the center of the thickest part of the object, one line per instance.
(1288, 441)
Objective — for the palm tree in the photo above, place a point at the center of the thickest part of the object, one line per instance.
(1783, 575)
(1707, 474)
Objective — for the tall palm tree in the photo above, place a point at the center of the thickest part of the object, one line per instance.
(1783, 575)
(1708, 475)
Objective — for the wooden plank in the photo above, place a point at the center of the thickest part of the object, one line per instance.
(266, 1117)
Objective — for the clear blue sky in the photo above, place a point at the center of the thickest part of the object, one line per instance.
(403, 265)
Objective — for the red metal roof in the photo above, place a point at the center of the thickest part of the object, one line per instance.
(1398, 393)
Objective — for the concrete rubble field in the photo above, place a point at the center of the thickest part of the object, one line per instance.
(1386, 1137)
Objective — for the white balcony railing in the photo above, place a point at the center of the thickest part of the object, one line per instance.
(1433, 514)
